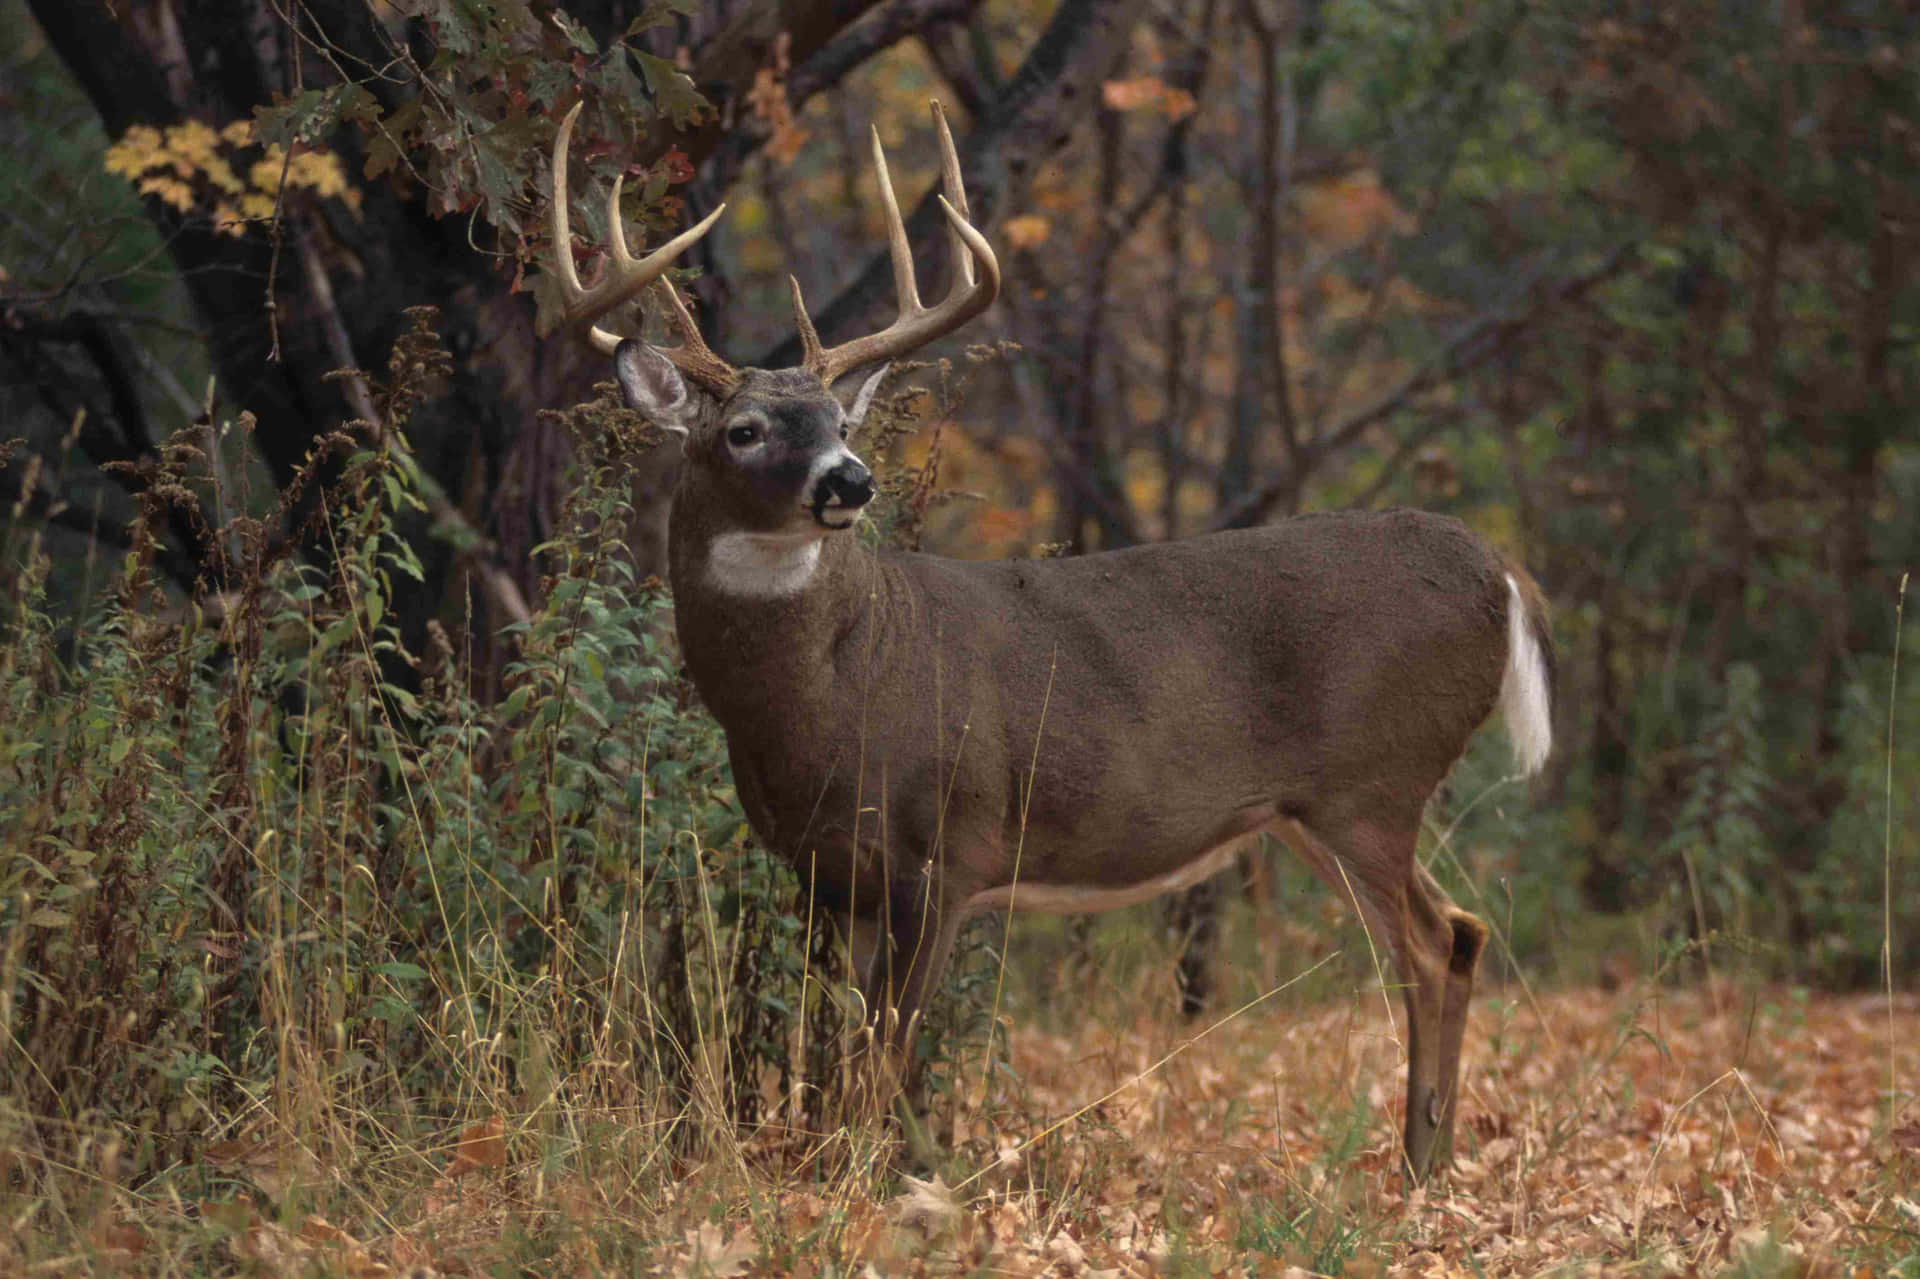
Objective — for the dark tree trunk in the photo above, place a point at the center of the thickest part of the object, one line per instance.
(479, 441)
(340, 283)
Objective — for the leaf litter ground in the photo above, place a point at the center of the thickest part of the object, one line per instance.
(1754, 1131)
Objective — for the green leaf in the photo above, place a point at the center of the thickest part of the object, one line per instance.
(302, 118)
(391, 1011)
(405, 559)
(674, 94)
(548, 82)
(384, 147)
(576, 35)
(333, 637)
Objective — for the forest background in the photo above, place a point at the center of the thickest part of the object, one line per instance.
(342, 731)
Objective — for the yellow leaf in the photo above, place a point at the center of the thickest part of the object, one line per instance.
(1352, 209)
(220, 173)
(265, 173)
(1147, 93)
(191, 139)
(1026, 230)
(786, 142)
(137, 151)
(171, 191)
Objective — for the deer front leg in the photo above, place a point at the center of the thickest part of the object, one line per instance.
(905, 953)
(911, 944)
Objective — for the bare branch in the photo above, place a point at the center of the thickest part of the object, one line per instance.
(1472, 345)
(1031, 120)
(495, 582)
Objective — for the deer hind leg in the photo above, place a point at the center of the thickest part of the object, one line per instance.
(1467, 938)
(1412, 926)
(1194, 915)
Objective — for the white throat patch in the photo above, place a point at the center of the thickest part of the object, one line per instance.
(763, 565)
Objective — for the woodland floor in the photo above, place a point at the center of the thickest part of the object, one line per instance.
(1754, 1131)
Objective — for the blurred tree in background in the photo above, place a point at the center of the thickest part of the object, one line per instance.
(1629, 288)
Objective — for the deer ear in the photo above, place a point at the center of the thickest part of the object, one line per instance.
(653, 387)
(863, 398)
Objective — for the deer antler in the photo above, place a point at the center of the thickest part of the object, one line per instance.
(918, 324)
(624, 278)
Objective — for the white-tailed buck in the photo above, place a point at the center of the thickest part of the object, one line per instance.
(925, 739)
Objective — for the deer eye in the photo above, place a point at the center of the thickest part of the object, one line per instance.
(743, 435)
(843, 432)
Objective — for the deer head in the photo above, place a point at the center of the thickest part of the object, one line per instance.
(770, 447)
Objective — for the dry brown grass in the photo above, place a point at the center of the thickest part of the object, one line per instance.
(1699, 1131)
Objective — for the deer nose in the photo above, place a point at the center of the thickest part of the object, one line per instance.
(848, 484)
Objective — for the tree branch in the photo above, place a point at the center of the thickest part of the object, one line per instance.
(477, 550)
(725, 67)
(1472, 345)
(961, 53)
(26, 335)
(1033, 119)
(878, 29)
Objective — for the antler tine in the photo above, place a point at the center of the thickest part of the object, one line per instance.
(626, 277)
(693, 356)
(810, 348)
(562, 231)
(899, 249)
(917, 325)
(956, 189)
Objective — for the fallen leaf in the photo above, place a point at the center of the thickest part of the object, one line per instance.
(710, 1256)
(928, 1206)
(481, 1146)
(1066, 1251)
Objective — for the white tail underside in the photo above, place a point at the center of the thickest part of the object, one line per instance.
(1524, 699)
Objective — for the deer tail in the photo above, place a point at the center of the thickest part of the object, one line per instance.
(1526, 690)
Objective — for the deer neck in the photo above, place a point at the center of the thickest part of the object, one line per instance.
(762, 614)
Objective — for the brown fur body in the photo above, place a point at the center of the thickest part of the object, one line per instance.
(1105, 719)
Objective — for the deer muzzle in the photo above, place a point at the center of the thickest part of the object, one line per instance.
(847, 485)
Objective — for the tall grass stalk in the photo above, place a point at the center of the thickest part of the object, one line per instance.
(1886, 876)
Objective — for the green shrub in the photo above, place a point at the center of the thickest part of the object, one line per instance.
(270, 868)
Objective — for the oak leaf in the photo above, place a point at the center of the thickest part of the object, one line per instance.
(712, 1258)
